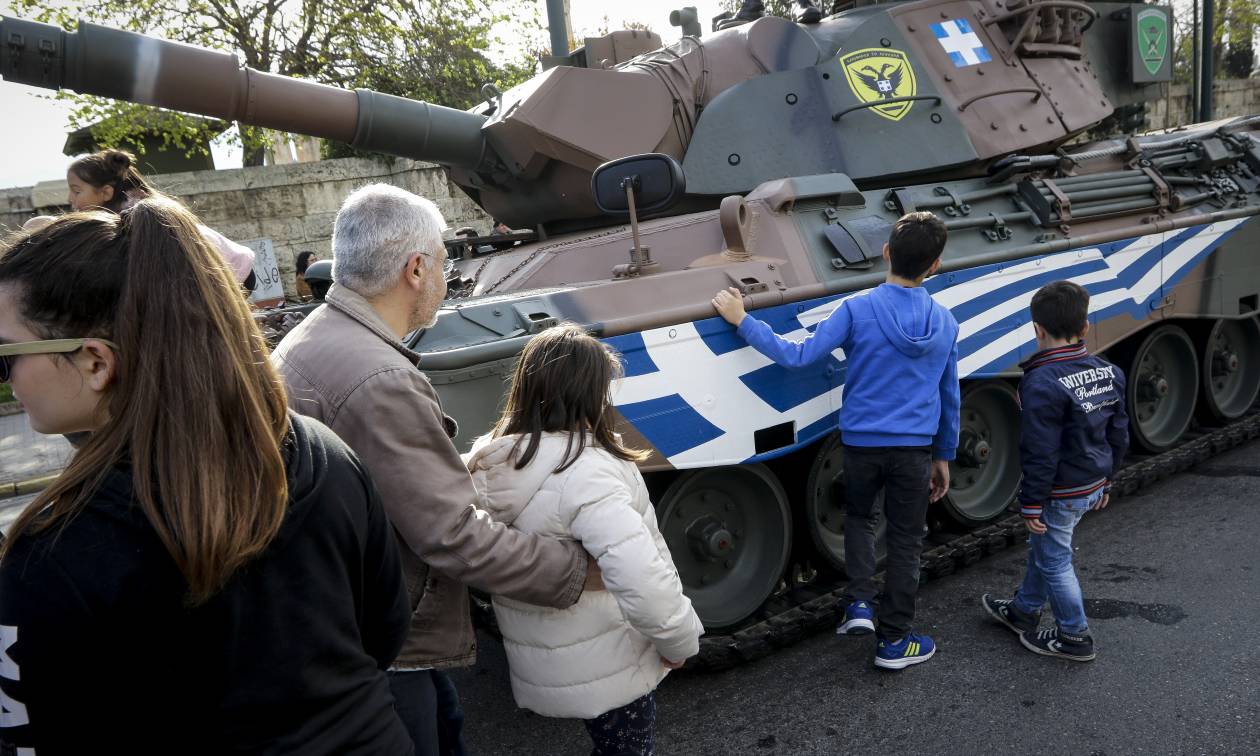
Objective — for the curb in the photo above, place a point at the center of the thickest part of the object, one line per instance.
(10, 408)
(24, 487)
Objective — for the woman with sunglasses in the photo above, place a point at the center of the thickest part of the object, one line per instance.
(210, 574)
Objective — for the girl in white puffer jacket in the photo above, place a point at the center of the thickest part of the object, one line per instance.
(553, 466)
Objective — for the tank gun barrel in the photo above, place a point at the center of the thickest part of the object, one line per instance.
(123, 65)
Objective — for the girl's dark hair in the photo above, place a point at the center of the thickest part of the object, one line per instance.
(303, 261)
(561, 384)
(114, 168)
(195, 408)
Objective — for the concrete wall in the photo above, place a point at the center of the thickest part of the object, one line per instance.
(1231, 97)
(293, 205)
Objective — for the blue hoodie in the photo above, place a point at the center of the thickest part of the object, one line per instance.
(901, 348)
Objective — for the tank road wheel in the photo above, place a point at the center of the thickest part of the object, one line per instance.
(824, 505)
(1230, 368)
(729, 532)
(1163, 383)
(984, 477)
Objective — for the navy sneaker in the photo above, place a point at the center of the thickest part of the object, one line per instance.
(1055, 642)
(912, 649)
(1004, 611)
(858, 619)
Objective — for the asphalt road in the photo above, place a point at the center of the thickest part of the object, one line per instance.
(1171, 578)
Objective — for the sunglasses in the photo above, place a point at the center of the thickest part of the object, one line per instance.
(10, 352)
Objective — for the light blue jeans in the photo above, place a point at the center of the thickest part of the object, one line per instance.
(1050, 575)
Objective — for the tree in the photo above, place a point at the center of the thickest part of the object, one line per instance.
(426, 49)
(1234, 54)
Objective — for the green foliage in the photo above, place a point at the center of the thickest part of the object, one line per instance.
(1235, 23)
(781, 8)
(6, 393)
(788, 8)
(428, 49)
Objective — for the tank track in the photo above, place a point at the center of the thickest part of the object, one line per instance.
(795, 614)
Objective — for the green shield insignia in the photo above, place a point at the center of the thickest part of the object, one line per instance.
(1152, 34)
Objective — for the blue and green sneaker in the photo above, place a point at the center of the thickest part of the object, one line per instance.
(858, 619)
(912, 649)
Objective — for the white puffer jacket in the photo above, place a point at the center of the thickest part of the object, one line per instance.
(604, 651)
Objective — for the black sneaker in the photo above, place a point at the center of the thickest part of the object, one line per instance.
(1055, 642)
(1004, 611)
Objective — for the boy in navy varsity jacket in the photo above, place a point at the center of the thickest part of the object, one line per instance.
(1073, 437)
(898, 421)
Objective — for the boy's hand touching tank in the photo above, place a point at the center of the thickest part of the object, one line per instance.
(729, 303)
(1035, 525)
(940, 479)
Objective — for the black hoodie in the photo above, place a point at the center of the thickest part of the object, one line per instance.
(98, 653)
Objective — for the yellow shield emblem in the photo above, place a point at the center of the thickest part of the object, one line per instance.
(878, 73)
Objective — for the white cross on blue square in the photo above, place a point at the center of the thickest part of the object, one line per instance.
(962, 44)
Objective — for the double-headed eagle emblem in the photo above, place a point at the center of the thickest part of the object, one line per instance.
(878, 74)
(882, 82)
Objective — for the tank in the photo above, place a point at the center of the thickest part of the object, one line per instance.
(774, 158)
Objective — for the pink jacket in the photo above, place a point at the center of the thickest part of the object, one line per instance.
(238, 257)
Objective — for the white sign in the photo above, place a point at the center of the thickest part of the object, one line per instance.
(268, 288)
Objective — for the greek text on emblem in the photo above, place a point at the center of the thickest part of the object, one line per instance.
(877, 73)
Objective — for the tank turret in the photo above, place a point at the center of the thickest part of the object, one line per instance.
(930, 88)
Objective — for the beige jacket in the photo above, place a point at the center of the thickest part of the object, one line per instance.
(342, 366)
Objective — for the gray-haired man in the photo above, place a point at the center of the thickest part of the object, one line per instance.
(345, 366)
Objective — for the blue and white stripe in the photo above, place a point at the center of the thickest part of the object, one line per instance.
(697, 391)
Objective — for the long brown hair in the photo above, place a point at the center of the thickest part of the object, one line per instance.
(195, 408)
(561, 384)
(114, 168)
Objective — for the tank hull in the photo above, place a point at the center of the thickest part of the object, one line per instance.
(1170, 266)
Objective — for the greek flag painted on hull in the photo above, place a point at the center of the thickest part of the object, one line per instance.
(698, 392)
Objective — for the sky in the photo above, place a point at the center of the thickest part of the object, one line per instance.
(33, 126)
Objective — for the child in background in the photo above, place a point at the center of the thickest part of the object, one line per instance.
(898, 421)
(553, 466)
(111, 180)
(1073, 435)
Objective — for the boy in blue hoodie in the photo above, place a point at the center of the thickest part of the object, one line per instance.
(899, 424)
(1074, 433)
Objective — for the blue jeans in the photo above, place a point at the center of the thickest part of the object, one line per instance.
(1050, 575)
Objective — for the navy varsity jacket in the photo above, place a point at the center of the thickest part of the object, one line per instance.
(1074, 430)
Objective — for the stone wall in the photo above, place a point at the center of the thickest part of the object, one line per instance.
(1231, 97)
(293, 205)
